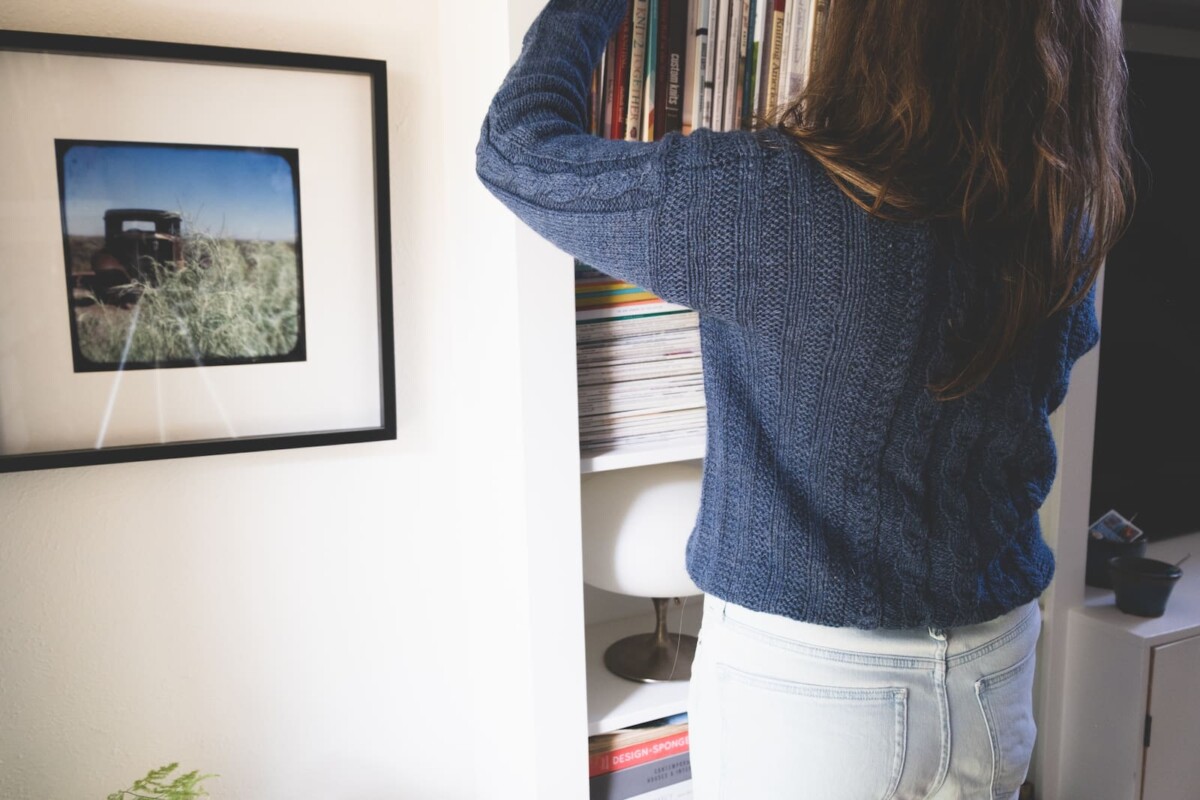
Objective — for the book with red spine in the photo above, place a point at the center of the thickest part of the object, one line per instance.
(620, 69)
(671, 740)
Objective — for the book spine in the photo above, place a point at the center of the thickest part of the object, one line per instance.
(794, 8)
(647, 309)
(750, 64)
(720, 65)
(690, 55)
(733, 66)
(610, 56)
(708, 58)
(650, 84)
(762, 16)
(627, 783)
(675, 65)
(660, 67)
(771, 91)
(820, 12)
(621, 76)
(596, 106)
(635, 754)
(796, 65)
(637, 71)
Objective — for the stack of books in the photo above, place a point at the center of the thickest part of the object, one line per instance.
(640, 376)
(675, 65)
(648, 762)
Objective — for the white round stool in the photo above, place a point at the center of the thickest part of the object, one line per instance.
(635, 527)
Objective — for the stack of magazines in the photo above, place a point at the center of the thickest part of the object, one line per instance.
(640, 377)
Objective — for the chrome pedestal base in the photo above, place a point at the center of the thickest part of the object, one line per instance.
(653, 657)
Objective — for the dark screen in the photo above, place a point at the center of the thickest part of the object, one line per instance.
(1147, 444)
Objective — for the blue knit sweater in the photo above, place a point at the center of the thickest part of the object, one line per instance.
(836, 489)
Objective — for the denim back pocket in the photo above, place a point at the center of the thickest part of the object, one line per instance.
(1006, 698)
(783, 740)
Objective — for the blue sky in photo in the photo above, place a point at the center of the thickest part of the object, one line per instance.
(229, 193)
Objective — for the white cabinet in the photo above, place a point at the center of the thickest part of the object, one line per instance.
(1172, 768)
(1131, 708)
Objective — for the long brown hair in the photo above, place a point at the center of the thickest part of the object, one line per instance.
(1002, 121)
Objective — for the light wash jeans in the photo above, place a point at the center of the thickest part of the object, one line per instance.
(787, 710)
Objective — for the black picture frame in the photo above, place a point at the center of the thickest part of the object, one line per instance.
(325, 116)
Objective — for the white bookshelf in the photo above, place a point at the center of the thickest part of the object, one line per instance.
(573, 694)
(642, 455)
(615, 702)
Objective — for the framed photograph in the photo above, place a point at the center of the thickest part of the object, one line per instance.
(194, 251)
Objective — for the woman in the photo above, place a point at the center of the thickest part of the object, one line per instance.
(893, 282)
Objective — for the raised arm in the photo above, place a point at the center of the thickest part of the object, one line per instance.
(672, 216)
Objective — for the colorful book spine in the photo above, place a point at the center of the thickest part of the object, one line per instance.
(637, 71)
(770, 99)
(598, 297)
(675, 63)
(660, 71)
(650, 84)
(613, 299)
(678, 65)
(641, 753)
(620, 88)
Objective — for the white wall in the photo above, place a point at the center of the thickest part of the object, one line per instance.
(306, 623)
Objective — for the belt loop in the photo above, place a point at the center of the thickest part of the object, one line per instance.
(938, 633)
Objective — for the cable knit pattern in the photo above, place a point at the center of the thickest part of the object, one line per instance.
(836, 489)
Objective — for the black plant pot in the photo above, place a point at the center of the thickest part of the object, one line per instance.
(1143, 584)
(1099, 551)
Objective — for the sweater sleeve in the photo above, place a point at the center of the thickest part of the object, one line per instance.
(639, 211)
(1082, 334)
